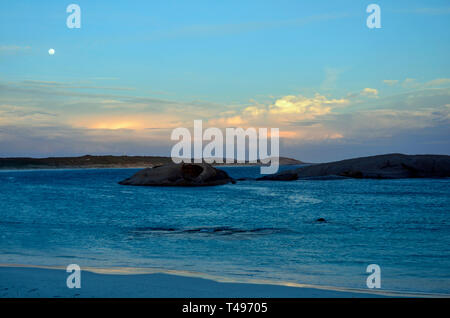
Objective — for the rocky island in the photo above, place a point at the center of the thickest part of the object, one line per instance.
(389, 166)
(180, 175)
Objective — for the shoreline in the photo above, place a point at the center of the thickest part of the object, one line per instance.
(108, 167)
(112, 162)
(19, 280)
(115, 167)
(119, 167)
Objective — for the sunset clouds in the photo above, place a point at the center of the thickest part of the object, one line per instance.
(109, 120)
(129, 76)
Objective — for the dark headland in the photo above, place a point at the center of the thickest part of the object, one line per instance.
(101, 162)
(389, 166)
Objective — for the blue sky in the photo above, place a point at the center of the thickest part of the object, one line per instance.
(137, 69)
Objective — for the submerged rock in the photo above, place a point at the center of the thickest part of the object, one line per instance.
(283, 176)
(181, 175)
(391, 166)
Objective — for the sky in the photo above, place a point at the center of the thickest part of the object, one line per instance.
(136, 70)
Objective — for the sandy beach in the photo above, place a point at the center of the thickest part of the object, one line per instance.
(25, 281)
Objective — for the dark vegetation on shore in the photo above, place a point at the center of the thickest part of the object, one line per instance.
(100, 162)
(82, 162)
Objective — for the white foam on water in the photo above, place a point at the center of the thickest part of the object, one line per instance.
(301, 198)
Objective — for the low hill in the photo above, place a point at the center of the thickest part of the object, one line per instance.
(389, 166)
(98, 162)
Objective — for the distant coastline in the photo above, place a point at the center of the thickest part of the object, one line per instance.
(99, 162)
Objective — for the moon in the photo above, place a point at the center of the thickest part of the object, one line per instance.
(51, 51)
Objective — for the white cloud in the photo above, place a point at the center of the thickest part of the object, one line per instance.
(370, 92)
(254, 111)
(438, 82)
(13, 48)
(304, 107)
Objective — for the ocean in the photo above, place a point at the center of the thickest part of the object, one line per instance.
(258, 230)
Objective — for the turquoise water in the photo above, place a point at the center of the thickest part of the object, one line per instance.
(256, 230)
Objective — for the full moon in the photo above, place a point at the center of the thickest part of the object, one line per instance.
(51, 51)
